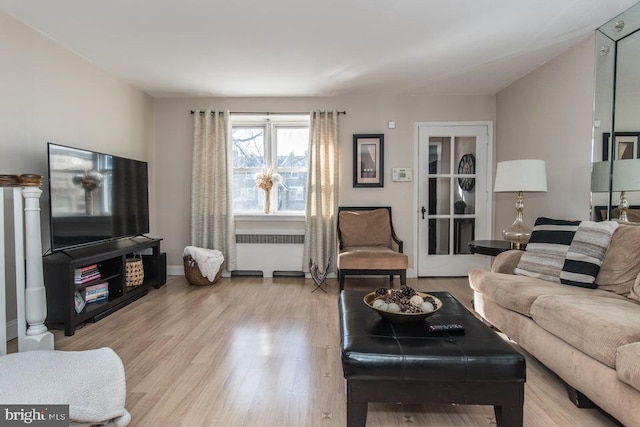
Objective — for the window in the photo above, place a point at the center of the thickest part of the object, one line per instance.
(279, 143)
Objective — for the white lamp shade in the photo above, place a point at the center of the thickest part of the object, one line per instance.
(626, 176)
(600, 176)
(521, 175)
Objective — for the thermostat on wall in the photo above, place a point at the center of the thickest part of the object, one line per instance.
(402, 174)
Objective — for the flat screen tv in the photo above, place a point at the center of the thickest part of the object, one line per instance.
(95, 197)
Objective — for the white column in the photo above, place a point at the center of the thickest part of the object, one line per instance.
(3, 299)
(18, 232)
(37, 337)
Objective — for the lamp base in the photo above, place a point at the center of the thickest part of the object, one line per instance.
(623, 207)
(517, 238)
(518, 233)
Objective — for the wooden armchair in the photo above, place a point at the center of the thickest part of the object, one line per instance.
(367, 244)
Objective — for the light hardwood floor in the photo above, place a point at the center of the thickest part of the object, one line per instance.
(265, 352)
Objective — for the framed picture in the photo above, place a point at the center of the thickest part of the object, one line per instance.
(625, 145)
(368, 160)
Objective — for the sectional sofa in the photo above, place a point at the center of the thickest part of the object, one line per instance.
(589, 337)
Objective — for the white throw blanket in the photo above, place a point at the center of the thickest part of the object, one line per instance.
(91, 382)
(209, 260)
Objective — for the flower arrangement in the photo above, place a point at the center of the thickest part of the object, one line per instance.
(265, 180)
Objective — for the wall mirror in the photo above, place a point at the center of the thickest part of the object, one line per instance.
(615, 175)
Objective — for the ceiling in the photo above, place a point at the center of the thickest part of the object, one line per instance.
(201, 48)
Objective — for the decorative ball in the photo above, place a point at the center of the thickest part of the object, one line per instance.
(379, 303)
(416, 300)
(393, 308)
(427, 307)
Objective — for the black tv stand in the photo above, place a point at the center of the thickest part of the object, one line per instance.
(110, 258)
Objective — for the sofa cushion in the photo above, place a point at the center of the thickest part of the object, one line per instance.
(628, 364)
(371, 258)
(518, 293)
(365, 228)
(586, 252)
(620, 266)
(595, 326)
(547, 249)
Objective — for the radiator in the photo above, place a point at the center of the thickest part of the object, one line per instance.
(270, 252)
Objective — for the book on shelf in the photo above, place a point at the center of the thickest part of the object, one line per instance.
(104, 284)
(97, 288)
(85, 274)
(80, 273)
(96, 293)
(98, 298)
(87, 279)
(87, 268)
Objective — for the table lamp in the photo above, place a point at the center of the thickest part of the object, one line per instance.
(518, 176)
(626, 177)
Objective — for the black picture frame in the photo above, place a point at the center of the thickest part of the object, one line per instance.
(627, 145)
(368, 160)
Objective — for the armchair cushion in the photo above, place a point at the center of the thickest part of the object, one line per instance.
(365, 228)
(371, 258)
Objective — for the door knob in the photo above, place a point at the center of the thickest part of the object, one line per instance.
(423, 210)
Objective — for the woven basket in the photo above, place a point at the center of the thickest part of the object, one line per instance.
(134, 272)
(193, 275)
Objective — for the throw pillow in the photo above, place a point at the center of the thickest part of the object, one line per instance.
(620, 267)
(586, 252)
(547, 249)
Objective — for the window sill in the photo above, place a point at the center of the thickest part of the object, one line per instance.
(270, 217)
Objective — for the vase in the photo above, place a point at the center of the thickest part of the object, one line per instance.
(267, 201)
(88, 202)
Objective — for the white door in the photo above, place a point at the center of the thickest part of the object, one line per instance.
(453, 184)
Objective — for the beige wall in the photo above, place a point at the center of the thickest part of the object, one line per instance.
(366, 114)
(49, 94)
(548, 114)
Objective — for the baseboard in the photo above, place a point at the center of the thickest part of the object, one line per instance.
(12, 329)
(175, 270)
(178, 270)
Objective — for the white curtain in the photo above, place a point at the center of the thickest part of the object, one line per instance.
(322, 191)
(212, 222)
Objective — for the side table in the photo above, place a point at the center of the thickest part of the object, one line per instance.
(489, 247)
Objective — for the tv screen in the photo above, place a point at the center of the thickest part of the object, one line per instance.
(95, 197)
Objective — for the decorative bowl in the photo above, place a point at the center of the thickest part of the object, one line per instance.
(401, 317)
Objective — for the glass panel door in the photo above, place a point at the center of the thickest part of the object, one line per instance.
(450, 191)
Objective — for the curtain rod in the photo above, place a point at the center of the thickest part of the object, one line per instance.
(266, 113)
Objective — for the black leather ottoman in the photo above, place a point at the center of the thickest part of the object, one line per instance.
(390, 362)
